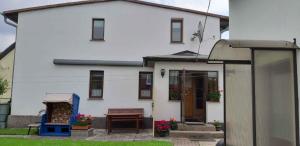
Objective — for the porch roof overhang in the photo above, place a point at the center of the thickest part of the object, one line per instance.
(150, 60)
(240, 50)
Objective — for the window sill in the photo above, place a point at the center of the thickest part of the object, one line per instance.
(177, 43)
(174, 100)
(213, 101)
(93, 98)
(93, 40)
(145, 98)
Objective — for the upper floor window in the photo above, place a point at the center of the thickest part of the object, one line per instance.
(145, 85)
(98, 29)
(176, 30)
(96, 84)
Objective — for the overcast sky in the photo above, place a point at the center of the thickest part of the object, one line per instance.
(7, 33)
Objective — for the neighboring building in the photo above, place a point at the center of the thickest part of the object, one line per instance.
(6, 70)
(117, 54)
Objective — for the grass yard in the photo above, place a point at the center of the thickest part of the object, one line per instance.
(17, 131)
(47, 142)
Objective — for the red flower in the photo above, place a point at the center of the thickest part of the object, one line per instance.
(161, 126)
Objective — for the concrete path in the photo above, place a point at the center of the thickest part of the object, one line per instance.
(100, 135)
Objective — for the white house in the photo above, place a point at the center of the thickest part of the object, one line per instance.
(116, 54)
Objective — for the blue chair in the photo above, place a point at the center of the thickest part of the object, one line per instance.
(61, 111)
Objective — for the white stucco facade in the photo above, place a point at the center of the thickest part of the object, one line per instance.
(132, 31)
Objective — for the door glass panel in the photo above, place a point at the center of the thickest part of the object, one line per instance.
(275, 99)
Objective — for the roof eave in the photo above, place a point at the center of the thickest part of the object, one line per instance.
(7, 50)
(13, 14)
(161, 59)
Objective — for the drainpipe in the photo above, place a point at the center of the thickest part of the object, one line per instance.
(8, 22)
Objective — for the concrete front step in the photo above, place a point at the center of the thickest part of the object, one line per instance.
(197, 134)
(196, 127)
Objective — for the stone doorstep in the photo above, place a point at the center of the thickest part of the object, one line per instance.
(197, 134)
(82, 133)
(194, 127)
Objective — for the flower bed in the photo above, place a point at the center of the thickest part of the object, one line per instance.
(173, 124)
(162, 128)
(83, 122)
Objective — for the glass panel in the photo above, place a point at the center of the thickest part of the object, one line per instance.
(145, 93)
(239, 131)
(174, 85)
(212, 82)
(275, 99)
(98, 29)
(145, 85)
(222, 51)
(176, 31)
(96, 92)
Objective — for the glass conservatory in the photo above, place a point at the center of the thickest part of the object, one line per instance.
(260, 92)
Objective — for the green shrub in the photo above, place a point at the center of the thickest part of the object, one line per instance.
(3, 86)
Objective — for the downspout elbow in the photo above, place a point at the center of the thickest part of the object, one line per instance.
(8, 22)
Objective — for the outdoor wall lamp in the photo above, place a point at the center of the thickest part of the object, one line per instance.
(162, 72)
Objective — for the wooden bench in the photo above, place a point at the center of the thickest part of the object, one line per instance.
(35, 125)
(124, 115)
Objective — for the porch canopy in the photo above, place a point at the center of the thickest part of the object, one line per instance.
(240, 50)
(58, 98)
(183, 56)
(260, 91)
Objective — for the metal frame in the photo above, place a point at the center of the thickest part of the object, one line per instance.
(224, 98)
(253, 97)
(296, 96)
(252, 63)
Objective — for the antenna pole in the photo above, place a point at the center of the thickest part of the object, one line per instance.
(209, 2)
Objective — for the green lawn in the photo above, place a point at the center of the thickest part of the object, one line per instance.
(17, 131)
(47, 142)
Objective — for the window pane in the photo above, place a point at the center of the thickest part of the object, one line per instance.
(98, 30)
(145, 85)
(174, 85)
(176, 31)
(212, 82)
(96, 84)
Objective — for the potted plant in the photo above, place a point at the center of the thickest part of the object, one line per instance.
(83, 122)
(162, 128)
(214, 96)
(218, 125)
(173, 124)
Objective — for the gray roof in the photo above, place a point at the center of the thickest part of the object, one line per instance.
(184, 56)
(7, 50)
(13, 14)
